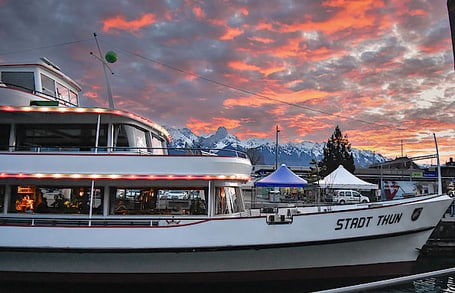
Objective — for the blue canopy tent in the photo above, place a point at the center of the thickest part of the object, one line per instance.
(282, 177)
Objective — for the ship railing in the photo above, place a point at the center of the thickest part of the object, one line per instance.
(94, 221)
(127, 150)
(386, 285)
(207, 152)
(35, 92)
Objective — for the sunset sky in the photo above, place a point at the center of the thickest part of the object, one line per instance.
(381, 70)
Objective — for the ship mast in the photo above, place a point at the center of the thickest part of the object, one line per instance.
(439, 166)
(110, 99)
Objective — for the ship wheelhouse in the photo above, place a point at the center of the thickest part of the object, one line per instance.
(37, 83)
(108, 163)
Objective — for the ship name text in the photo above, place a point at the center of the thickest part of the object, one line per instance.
(365, 222)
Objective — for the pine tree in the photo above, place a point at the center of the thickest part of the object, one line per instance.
(337, 152)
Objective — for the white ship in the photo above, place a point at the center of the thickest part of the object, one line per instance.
(95, 193)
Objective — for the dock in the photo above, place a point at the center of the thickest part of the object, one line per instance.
(442, 240)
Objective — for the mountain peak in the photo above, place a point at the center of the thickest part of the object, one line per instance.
(292, 154)
(221, 132)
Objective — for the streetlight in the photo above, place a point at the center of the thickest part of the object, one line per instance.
(276, 148)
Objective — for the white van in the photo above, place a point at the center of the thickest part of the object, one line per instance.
(349, 196)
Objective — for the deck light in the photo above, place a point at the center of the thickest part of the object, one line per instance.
(121, 176)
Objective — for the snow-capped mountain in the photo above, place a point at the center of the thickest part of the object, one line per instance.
(262, 151)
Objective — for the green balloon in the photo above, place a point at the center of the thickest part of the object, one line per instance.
(111, 56)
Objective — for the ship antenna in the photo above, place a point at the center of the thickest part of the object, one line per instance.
(105, 68)
(439, 166)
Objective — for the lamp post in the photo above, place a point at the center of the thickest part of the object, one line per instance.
(276, 148)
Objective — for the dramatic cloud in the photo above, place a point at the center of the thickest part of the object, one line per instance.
(381, 70)
(119, 22)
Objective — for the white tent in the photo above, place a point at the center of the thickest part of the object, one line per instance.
(343, 179)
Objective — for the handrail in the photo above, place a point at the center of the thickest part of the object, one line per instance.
(135, 150)
(86, 221)
(207, 152)
(391, 282)
(34, 91)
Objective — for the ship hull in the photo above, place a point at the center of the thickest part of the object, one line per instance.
(363, 258)
(244, 248)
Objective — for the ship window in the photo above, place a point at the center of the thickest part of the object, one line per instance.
(73, 98)
(136, 137)
(22, 80)
(2, 197)
(228, 201)
(59, 137)
(48, 85)
(157, 145)
(62, 92)
(120, 137)
(130, 137)
(4, 136)
(55, 200)
(150, 200)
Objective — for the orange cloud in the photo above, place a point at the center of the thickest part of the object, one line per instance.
(264, 26)
(309, 94)
(238, 65)
(266, 68)
(417, 12)
(436, 47)
(350, 15)
(395, 141)
(119, 22)
(91, 94)
(202, 127)
(261, 40)
(268, 96)
(300, 126)
(252, 100)
(244, 11)
(290, 49)
(294, 48)
(198, 12)
(273, 68)
(372, 102)
(231, 33)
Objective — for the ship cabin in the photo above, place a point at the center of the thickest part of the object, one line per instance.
(60, 162)
(66, 129)
(37, 83)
